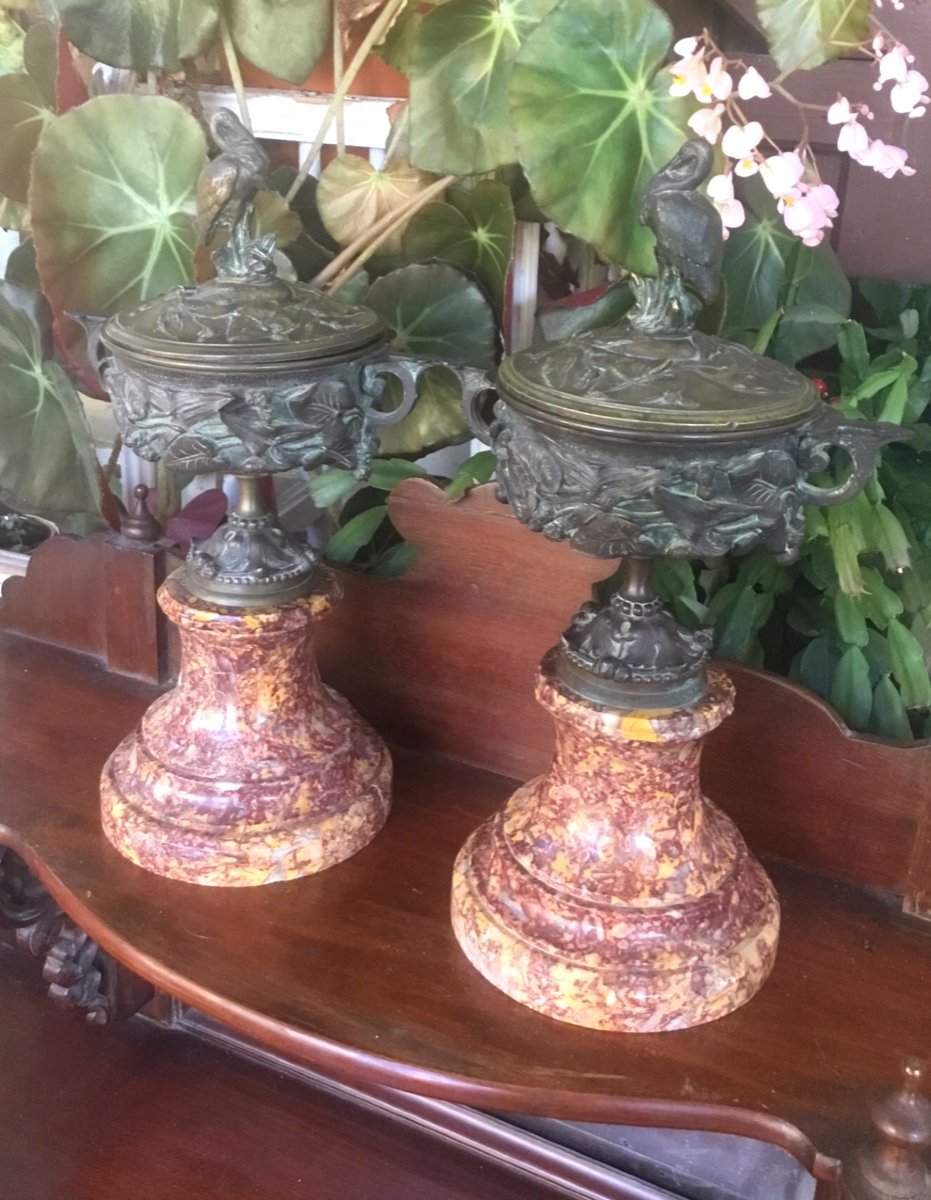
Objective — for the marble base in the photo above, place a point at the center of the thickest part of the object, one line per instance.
(249, 771)
(610, 893)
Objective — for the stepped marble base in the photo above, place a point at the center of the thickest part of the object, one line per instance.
(250, 771)
(610, 893)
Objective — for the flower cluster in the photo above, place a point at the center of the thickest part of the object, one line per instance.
(807, 204)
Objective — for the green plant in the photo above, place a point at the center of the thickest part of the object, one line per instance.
(530, 109)
(851, 620)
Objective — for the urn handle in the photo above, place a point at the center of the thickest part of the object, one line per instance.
(406, 371)
(861, 439)
(476, 383)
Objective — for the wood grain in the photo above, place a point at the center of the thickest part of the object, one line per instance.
(140, 1112)
(356, 970)
(443, 660)
(95, 595)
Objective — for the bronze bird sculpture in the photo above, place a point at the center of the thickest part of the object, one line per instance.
(229, 182)
(689, 239)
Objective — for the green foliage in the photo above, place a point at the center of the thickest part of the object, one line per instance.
(473, 230)
(769, 272)
(365, 538)
(283, 37)
(459, 71)
(806, 33)
(47, 462)
(851, 620)
(113, 185)
(594, 120)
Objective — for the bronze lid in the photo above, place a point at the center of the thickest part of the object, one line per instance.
(630, 382)
(248, 320)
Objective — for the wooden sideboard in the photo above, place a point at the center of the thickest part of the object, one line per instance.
(355, 973)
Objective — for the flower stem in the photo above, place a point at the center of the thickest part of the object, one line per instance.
(338, 68)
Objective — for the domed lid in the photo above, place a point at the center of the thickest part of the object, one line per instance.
(249, 320)
(627, 380)
(246, 316)
(654, 375)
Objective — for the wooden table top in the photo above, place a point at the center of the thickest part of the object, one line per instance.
(356, 970)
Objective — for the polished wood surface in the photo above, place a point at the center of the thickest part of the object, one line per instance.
(138, 1112)
(95, 595)
(444, 658)
(357, 971)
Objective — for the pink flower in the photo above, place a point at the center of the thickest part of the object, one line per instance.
(807, 212)
(721, 194)
(753, 86)
(719, 80)
(853, 138)
(741, 140)
(706, 122)
(688, 75)
(910, 95)
(887, 160)
(686, 47)
(825, 197)
(893, 65)
(782, 172)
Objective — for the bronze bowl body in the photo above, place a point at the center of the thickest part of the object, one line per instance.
(637, 445)
(248, 375)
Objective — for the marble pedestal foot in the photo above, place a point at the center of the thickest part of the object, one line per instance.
(609, 892)
(250, 770)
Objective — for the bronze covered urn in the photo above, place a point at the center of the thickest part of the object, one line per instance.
(250, 770)
(610, 892)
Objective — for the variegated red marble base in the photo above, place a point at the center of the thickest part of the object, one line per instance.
(610, 893)
(250, 770)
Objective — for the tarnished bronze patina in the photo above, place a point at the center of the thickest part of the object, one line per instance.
(249, 374)
(650, 439)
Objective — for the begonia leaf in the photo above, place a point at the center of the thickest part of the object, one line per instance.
(140, 33)
(459, 72)
(23, 116)
(113, 193)
(806, 33)
(473, 229)
(47, 461)
(283, 37)
(352, 196)
(594, 121)
(434, 311)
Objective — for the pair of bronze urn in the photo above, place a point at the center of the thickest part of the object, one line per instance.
(609, 892)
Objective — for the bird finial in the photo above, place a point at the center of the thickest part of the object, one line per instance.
(689, 244)
(226, 194)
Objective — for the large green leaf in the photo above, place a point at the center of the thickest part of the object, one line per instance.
(594, 120)
(11, 44)
(40, 56)
(459, 73)
(767, 268)
(140, 33)
(23, 116)
(47, 463)
(352, 196)
(112, 200)
(806, 33)
(435, 312)
(474, 230)
(283, 37)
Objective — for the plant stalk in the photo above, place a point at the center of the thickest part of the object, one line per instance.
(229, 52)
(372, 38)
(338, 69)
